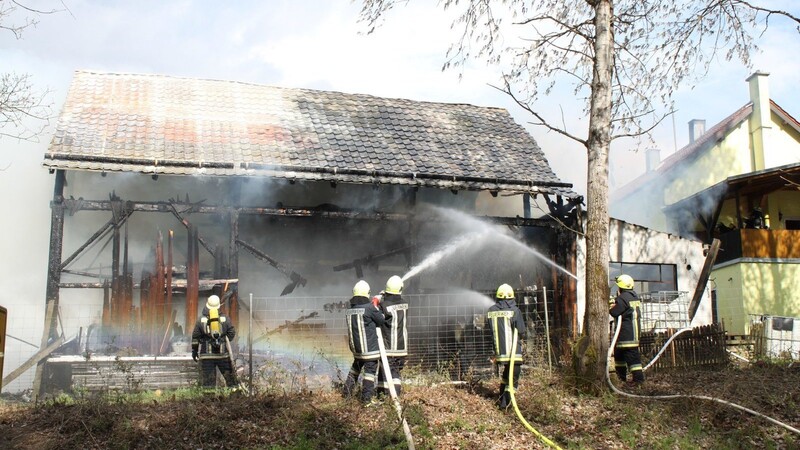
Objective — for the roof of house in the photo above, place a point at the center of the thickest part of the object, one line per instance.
(184, 126)
(702, 143)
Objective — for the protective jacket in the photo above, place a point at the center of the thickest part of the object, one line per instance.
(504, 317)
(208, 345)
(395, 334)
(363, 318)
(627, 305)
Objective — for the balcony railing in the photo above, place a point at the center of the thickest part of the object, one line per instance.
(757, 243)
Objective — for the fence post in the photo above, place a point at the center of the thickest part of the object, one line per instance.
(547, 332)
(250, 343)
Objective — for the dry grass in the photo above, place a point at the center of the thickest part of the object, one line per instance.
(442, 416)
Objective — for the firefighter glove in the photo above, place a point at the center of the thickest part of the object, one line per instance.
(194, 355)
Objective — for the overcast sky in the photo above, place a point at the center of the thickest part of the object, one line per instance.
(320, 45)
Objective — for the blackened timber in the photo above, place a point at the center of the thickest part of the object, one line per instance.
(373, 260)
(188, 225)
(192, 278)
(168, 275)
(97, 235)
(56, 243)
(292, 275)
(102, 205)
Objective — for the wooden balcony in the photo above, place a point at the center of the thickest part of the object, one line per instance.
(750, 243)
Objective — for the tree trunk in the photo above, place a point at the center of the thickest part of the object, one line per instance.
(591, 351)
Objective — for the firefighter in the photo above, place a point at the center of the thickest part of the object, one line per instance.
(363, 319)
(505, 317)
(395, 334)
(626, 353)
(209, 345)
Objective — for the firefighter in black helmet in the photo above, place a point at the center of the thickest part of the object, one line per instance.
(209, 346)
(363, 319)
(505, 317)
(626, 353)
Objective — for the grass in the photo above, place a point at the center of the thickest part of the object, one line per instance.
(440, 416)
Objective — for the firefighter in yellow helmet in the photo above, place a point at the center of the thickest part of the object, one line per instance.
(505, 317)
(626, 353)
(209, 346)
(363, 319)
(395, 334)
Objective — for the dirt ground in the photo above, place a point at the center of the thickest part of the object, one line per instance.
(441, 416)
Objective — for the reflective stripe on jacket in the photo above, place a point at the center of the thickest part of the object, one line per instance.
(628, 305)
(505, 317)
(395, 334)
(363, 318)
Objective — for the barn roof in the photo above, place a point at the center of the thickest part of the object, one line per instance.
(183, 126)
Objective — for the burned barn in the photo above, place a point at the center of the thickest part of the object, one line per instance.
(168, 189)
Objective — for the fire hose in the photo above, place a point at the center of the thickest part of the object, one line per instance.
(514, 399)
(387, 370)
(676, 396)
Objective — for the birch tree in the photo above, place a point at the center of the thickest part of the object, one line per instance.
(623, 59)
(24, 111)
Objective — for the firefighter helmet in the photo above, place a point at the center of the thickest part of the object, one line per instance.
(361, 289)
(213, 302)
(394, 285)
(505, 292)
(624, 282)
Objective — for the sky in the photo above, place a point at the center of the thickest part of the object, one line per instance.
(321, 45)
(316, 44)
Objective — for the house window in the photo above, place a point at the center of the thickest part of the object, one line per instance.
(647, 277)
(792, 224)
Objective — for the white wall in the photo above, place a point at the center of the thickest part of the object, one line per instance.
(635, 244)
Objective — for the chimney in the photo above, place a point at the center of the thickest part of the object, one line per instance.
(652, 157)
(760, 122)
(697, 127)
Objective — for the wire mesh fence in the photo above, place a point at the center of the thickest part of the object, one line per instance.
(775, 337)
(282, 343)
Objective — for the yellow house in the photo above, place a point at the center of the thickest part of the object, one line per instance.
(738, 182)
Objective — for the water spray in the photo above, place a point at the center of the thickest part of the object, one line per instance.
(448, 250)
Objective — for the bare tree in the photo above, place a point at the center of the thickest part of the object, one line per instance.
(24, 111)
(624, 59)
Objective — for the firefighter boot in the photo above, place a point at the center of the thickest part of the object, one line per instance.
(622, 371)
(504, 399)
(350, 384)
(367, 389)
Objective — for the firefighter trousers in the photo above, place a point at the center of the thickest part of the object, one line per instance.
(628, 359)
(208, 371)
(370, 369)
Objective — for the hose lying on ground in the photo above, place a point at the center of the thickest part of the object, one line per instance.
(514, 400)
(392, 392)
(675, 396)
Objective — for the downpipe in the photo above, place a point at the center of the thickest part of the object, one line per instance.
(676, 396)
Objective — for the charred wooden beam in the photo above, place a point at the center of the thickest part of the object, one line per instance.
(295, 277)
(286, 325)
(168, 277)
(192, 278)
(188, 225)
(373, 260)
(97, 235)
(100, 205)
(56, 243)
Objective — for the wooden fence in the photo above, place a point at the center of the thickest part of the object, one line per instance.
(701, 346)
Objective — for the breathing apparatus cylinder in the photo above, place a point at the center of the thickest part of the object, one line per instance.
(213, 323)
